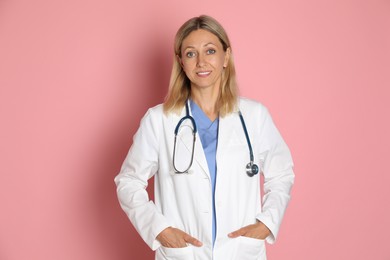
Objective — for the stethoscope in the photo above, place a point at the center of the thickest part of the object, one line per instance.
(251, 168)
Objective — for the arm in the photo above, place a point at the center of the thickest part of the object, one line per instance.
(139, 166)
(278, 178)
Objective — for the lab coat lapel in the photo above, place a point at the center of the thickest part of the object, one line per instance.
(228, 134)
(199, 156)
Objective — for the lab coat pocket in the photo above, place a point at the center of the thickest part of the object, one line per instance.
(251, 248)
(182, 253)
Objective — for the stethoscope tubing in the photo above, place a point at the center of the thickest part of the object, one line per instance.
(251, 168)
(194, 131)
(251, 157)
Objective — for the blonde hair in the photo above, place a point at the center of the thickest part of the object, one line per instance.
(180, 86)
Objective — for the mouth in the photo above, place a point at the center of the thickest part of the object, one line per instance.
(203, 73)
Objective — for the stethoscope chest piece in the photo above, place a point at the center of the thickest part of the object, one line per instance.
(252, 169)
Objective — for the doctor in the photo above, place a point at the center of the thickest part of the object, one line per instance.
(206, 149)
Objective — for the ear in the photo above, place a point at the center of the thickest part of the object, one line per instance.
(227, 57)
(179, 60)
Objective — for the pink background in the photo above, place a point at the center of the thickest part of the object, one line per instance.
(76, 76)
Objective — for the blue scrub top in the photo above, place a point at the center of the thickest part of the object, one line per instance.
(208, 133)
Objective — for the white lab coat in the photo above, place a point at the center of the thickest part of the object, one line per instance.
(184, 201)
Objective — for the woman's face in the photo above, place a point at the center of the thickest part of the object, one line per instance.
(203, 59)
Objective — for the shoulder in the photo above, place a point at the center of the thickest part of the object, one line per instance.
(151, 122)
(153, 115)
(251, 106)
(156, 110)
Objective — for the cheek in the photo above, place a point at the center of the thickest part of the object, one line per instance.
(219, 60)
(188, 71)
(187, 66)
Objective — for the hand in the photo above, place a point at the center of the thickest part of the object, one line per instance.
(175, 238)
(258, 230)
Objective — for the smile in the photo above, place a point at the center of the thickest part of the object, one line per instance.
(203, 73)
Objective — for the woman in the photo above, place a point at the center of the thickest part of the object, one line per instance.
(205, 158)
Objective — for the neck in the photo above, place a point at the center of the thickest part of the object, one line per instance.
(207, 101)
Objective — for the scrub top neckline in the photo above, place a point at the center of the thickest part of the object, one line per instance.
(206, 122)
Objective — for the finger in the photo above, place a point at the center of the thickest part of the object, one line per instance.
(172, 238)
(175, 244)
(193, 241)
(237, 233)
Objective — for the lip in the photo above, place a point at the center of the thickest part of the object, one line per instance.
(203, 73)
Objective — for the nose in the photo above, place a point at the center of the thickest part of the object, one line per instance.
(201, 61)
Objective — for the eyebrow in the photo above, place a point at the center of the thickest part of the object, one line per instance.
(192, 47)
(209, 44)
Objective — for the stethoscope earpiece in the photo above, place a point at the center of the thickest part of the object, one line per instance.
(252, 169)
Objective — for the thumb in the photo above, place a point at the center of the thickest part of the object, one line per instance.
(193, 241)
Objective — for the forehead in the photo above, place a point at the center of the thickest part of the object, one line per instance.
(199, 38)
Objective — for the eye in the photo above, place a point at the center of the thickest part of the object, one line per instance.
(210, 51)
(190, 54)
